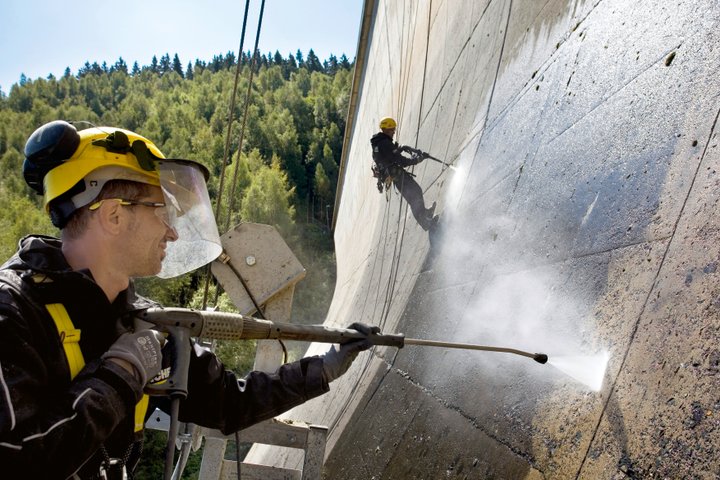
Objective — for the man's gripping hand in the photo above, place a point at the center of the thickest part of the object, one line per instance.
(141, 349)
(337, 360)
(417, 158)
(406, 149)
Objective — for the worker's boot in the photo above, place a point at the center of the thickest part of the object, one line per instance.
(431, 211)
(434, 223)
(429, 219)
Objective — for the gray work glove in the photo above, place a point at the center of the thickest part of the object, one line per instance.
(142, 349)
(336, 361)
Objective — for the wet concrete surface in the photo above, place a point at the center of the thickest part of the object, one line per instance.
(582, 219)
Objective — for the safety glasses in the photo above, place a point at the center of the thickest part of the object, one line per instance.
(159, 207)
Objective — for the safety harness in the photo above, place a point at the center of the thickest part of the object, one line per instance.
(70, 338)
(384, 179)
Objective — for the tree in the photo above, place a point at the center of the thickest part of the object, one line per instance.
(302, 79)
(268, 198)
(120, 66)
(331, 65)
(84, 70)
(19, 217)
(271, 78)
(282, 138)
(278, 59)
(216, 64)
(292, 65)
(333, 137)
(165, 65)
(177, 66)
(322, 184)
(199, 66)
(344, 63)
(229, 61)
(329, 164)
(313, 62)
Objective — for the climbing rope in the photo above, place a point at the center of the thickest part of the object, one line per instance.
(233, 185)
(180, 466)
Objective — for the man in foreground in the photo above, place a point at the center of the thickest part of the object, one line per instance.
(73, 367)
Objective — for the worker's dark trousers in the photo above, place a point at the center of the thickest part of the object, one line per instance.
(413, 195)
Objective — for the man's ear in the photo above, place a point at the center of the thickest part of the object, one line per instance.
(110, 215)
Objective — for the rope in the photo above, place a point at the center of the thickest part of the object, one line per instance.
(232, 195)
(395, 266)
(221, 188)
(255, 55)
(405, 52)
(380, 255)
(233, 186)
(231, 111)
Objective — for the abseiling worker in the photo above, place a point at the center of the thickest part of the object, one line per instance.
(390, 164)
(73, 367)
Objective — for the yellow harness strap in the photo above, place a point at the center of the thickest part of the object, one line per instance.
(70, 338)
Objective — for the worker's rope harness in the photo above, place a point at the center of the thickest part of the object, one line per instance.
(385, 175)
(384, 178)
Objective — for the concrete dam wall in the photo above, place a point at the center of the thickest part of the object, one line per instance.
(579, 219)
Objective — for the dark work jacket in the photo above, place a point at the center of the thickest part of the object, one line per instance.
(54, 427)
(387, 154)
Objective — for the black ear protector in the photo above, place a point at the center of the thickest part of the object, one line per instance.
(48, 147)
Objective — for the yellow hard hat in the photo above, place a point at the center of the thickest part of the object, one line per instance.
(96, 151)
(387, 122)
(71, 167)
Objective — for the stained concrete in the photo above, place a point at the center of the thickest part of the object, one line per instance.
(581, 219)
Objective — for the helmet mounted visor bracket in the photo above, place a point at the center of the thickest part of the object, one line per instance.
(67, 167)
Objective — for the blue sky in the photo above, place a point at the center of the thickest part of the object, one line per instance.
(41, 37)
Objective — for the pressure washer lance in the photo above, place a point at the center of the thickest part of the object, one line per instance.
(422, 154)
(181, 324)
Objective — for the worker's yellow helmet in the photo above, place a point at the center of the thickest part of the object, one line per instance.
(387, 122)
(96, 152)
(70, 169)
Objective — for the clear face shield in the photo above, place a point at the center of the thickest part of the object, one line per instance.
(189, 212)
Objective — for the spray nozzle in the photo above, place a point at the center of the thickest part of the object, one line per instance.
(540, 358)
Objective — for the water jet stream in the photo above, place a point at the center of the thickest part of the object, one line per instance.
(586, 369)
